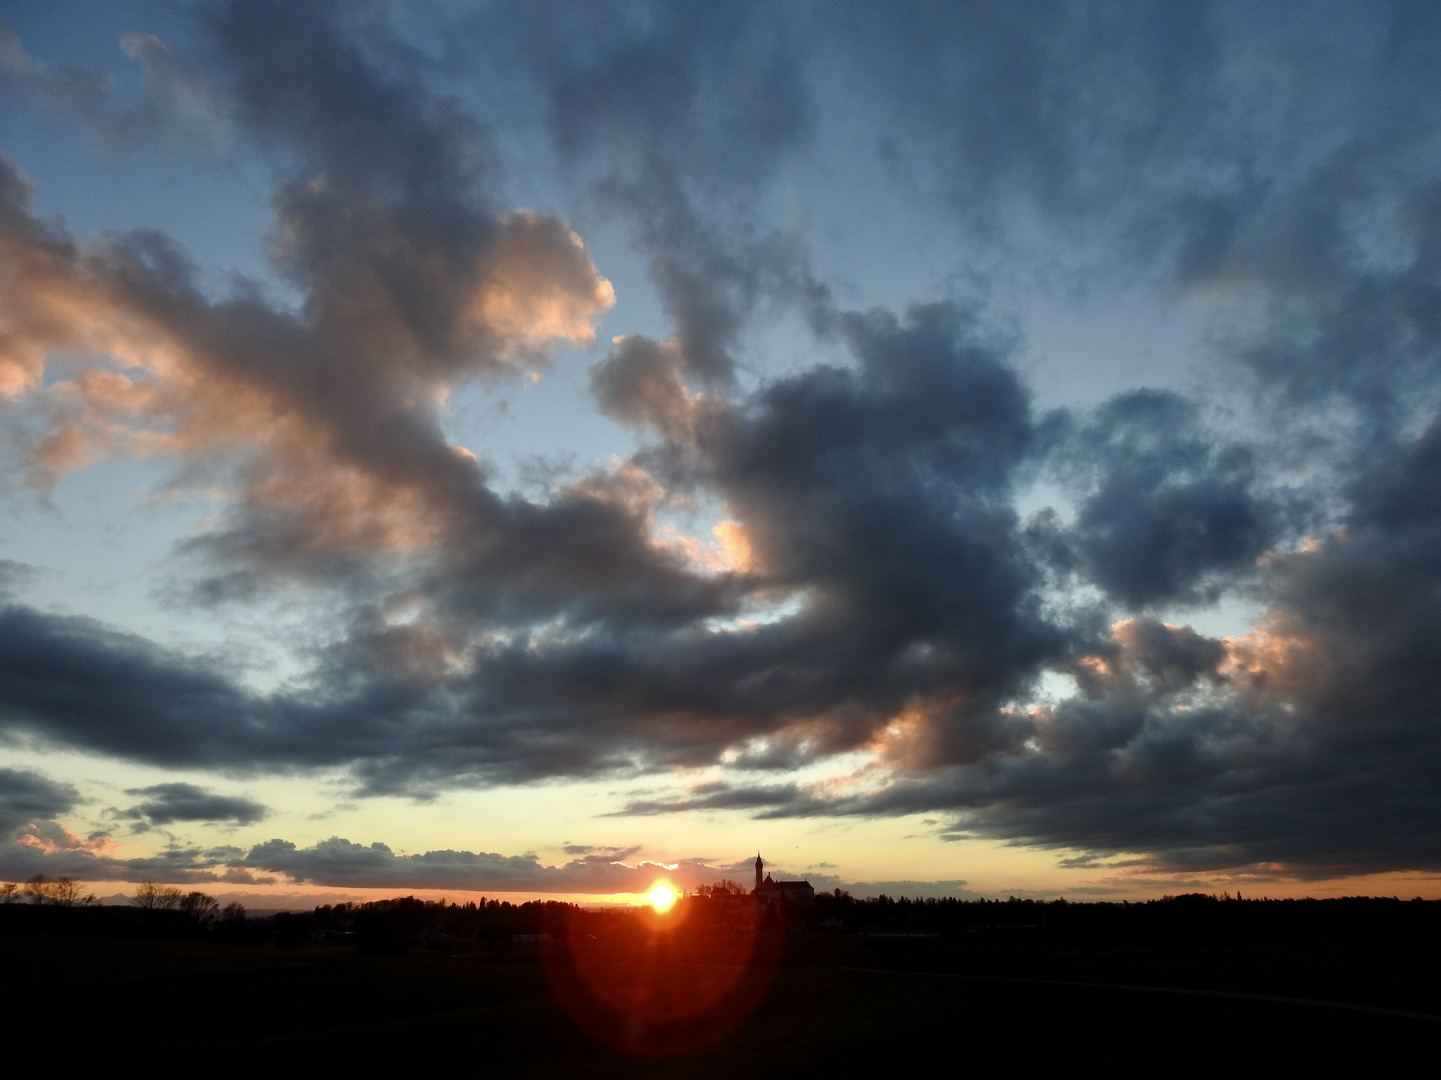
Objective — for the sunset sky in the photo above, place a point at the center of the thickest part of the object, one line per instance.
(953, 449)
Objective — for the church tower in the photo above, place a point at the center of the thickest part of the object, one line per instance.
(759, 865)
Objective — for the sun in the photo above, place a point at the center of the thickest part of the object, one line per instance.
(662, 897)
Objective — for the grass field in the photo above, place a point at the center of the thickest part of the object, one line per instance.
(817, 1005)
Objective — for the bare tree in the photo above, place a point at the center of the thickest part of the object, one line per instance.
(153, 897)
(65, 891)
(724, 887)
(38, 889)
(7, 892)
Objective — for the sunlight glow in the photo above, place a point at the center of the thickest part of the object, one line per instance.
(662, 897)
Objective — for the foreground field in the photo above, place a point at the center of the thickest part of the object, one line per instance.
(815, 1004)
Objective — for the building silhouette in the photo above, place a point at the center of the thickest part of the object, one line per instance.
(781, 896)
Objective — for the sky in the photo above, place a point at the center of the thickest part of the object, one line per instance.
(955, 450)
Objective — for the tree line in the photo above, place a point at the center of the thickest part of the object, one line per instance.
(40, 889)
(403, 923)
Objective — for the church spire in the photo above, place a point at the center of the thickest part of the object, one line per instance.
(759, 866)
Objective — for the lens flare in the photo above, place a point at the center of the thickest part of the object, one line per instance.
(669, 978)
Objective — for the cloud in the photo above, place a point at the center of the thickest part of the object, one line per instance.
(169, 803)
(617, 853)
(27, 796)
(51, 838)
(341, 863)
(877, 590)
(718, 795)
(413, 283)
(857, 493)
(74, 681)
(49, 848)
(1306, 744)
(573, 641)
(655, 105)
(1167, 512)
(70, 90)
(1086, 110)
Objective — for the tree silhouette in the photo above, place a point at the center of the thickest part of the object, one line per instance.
(199, 907)
(153, 897)
(65, 891)
(61, 891)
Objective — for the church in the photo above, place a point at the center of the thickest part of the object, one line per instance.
(781, 895)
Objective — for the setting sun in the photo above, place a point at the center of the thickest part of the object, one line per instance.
(662, 897)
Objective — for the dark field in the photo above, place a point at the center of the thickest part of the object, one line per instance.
(808, 1004)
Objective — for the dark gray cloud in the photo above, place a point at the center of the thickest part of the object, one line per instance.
(343, 863)
(620, 853)
(1310, 744)
(1343, 269)
(872, 498)
(717, 795)
(710, 89)
(339, 94)
(77, 682)
(1166, 512)
(166, 804)
(27, 796)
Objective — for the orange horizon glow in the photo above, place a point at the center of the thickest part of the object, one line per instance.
(291, 896)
